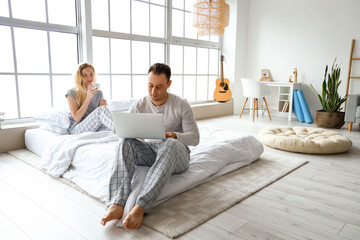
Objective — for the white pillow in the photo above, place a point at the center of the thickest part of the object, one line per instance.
(120, 105)
(54, 117)
(55, 129)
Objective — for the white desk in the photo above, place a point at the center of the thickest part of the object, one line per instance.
(285, 94)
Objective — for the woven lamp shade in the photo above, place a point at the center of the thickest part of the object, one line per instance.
(210, 17)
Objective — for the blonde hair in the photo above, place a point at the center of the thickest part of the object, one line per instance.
(80, 86)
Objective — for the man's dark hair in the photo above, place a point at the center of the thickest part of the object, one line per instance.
(159, 68)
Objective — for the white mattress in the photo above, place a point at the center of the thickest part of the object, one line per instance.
(37, 139)
(218, 153)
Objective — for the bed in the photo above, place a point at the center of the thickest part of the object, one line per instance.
(89, 163)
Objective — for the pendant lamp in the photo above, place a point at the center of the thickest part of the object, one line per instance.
(210, 17)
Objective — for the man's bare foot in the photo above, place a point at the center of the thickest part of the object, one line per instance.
(135, 217)
(115, 211)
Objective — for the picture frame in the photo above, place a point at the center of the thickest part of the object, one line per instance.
(265, 75)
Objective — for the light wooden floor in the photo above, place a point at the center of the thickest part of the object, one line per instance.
(320, 200)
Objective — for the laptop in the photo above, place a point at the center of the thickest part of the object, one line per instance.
(139, 125)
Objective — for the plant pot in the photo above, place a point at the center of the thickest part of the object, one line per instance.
(329, 119)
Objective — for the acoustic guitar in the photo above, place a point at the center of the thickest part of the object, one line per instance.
(222, 91)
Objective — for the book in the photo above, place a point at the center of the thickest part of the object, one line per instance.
(285, 107)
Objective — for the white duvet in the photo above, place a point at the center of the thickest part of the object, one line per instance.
(86, 160)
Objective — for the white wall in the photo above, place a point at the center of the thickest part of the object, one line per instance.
(284, 34)
(235, 47)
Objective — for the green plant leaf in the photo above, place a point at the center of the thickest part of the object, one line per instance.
(330, 99)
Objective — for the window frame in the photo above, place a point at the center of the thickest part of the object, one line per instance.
(43, 26)
(168, 40)
(85, 33)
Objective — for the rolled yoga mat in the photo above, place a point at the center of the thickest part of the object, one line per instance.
(304, 106)
(297, 107)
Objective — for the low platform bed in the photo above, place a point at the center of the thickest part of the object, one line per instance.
(86, 159)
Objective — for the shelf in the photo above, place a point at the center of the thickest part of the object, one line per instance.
(284, 98)
(285, 94)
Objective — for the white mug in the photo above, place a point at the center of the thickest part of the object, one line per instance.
(96, 86)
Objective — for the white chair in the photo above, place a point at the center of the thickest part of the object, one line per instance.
(254, 90)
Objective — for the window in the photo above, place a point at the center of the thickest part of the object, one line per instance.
(194, 60)
(40, 50)
(130, 36)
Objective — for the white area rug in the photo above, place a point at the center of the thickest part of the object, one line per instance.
(186, 211)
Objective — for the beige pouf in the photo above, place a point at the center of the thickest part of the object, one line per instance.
(305, 140)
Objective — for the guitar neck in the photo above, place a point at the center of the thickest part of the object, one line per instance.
(222, 69)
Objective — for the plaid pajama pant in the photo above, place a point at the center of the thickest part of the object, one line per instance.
(98, 120)
(164, 158)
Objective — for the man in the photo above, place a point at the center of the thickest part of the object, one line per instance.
(171, 155)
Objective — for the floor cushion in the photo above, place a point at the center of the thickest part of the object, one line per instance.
(305, 140)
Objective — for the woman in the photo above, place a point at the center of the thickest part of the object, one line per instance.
(87, 104)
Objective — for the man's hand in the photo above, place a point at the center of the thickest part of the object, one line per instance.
(170, 135)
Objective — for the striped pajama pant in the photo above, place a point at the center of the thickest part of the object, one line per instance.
(98, 120)
(164, 158)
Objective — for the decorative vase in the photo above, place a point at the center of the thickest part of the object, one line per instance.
(329, 119)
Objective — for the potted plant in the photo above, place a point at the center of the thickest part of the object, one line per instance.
(330, 116)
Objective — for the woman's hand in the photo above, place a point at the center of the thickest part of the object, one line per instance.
(170, 135)
(102, 102)
(91, 91)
